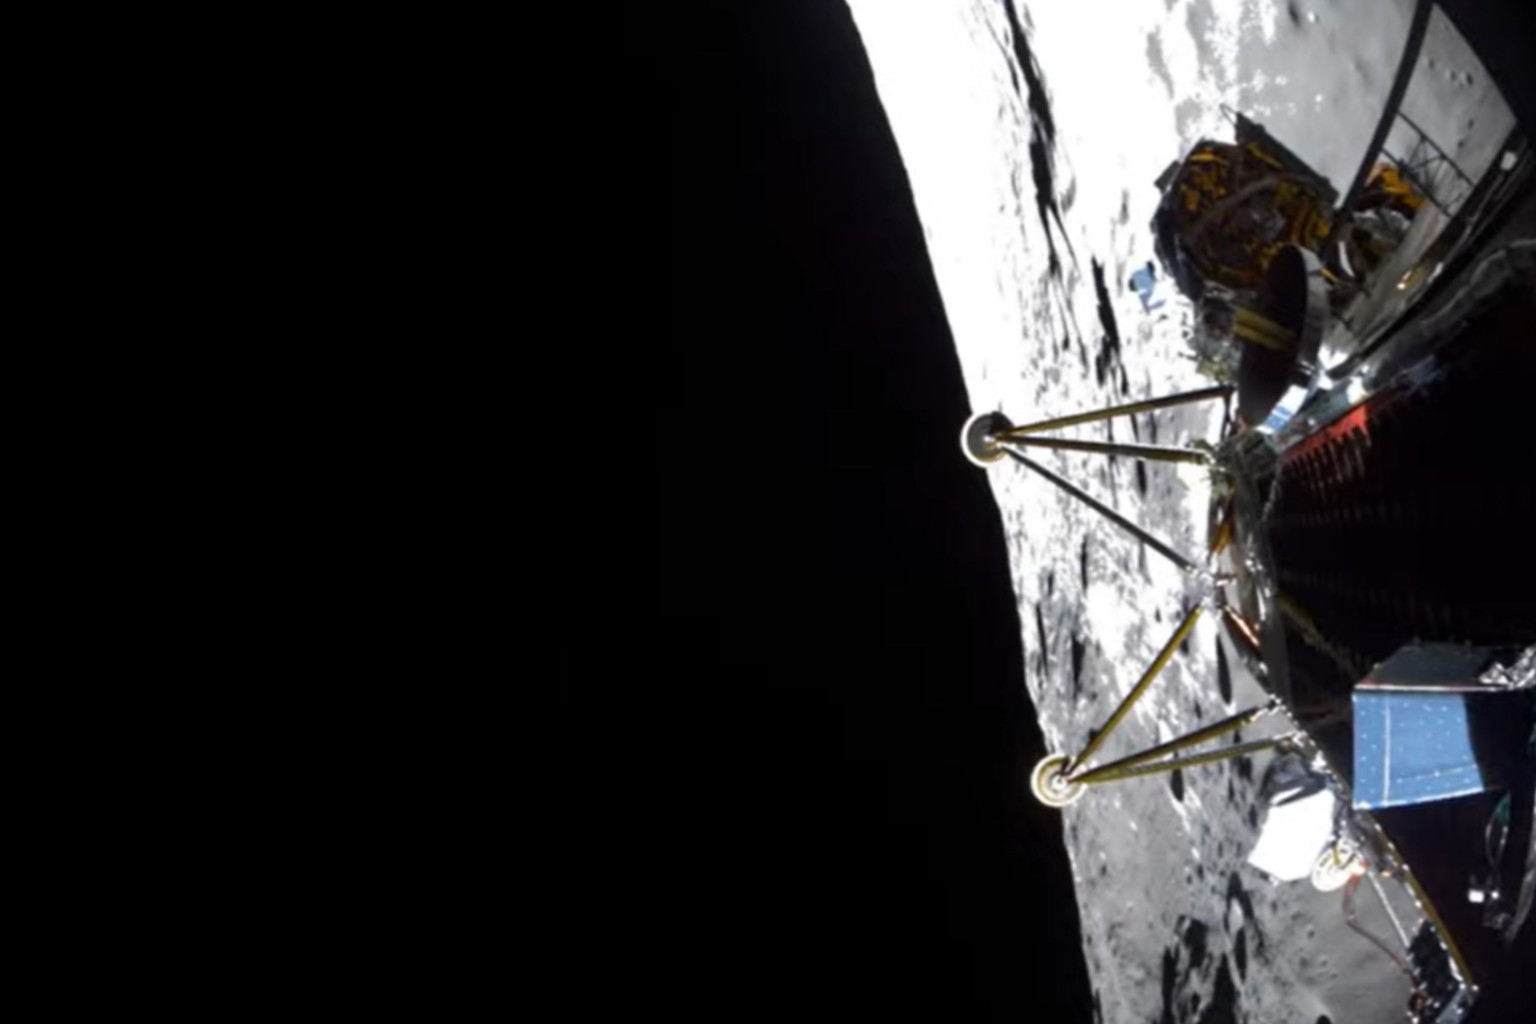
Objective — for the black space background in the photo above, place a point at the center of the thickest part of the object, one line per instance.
(830, 582)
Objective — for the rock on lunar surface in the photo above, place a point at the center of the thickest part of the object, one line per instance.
(1032, 136)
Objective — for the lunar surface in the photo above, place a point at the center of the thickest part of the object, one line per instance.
(1032, 135)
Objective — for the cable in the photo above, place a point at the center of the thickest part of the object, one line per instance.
(1499, 817)
(1419, 997)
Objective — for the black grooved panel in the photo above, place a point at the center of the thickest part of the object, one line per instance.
(1409, 518)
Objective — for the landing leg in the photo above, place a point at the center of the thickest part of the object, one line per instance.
(981, 438)
(1049, 782)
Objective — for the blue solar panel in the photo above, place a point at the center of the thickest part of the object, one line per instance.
(1411, 748)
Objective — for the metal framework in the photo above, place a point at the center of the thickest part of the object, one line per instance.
(1405, 65)
(988, 437)
(1424, 166)
(1060, 779)
(1075, 772)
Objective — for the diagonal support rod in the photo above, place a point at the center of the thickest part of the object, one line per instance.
(1224, 754)
(1152, 453)
(1253, 326)
(1145, 681)
(1221, 391)
(1224, 530)
(1244, 630)
(1115, 769)
(1104, 510)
